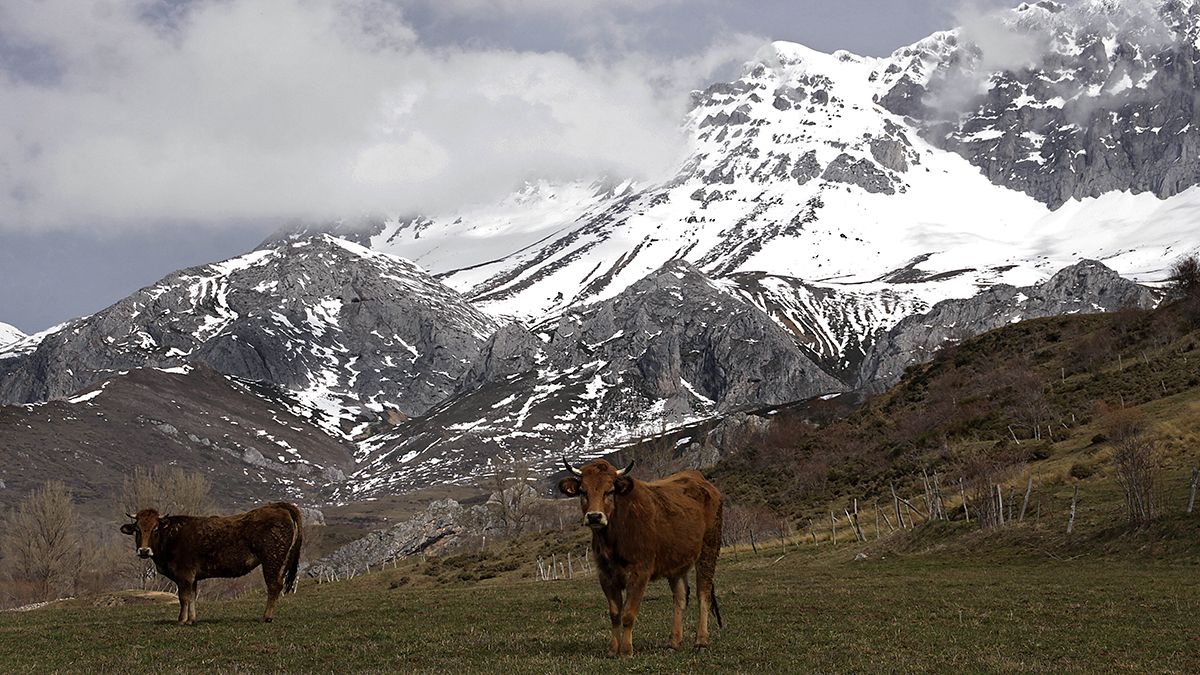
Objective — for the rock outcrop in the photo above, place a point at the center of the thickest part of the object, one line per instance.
(1086, 287)
(1108, 105)
(429, 531)
(673, 348)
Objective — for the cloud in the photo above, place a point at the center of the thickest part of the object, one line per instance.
(117, 114)
(997, 40)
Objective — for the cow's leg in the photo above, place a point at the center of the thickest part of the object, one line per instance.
(616, 602)
(706, 568)
(635, 588)
(679, 589)
(273, 574)
(187, 595)
(192, 604)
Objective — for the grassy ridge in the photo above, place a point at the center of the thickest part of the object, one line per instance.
(807, 611)
(1065, 376)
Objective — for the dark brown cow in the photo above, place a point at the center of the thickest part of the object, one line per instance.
(187, 549)
(643, 531)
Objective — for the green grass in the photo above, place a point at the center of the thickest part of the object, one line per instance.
(805, 612)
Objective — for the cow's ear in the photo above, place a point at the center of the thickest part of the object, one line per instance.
(622, 485)
(128, 528)
(569, 487)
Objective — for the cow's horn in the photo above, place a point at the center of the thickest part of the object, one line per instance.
(130, 516)
(622, 472)
(570, 468)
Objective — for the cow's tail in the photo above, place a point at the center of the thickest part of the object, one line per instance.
(712, 587)
(293, 560)
(716, 609)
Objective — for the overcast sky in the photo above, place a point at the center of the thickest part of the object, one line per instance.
(140, 137)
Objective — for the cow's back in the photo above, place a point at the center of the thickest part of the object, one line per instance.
(231, 546)
(686, 508)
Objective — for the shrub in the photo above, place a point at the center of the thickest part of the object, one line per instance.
(1082, 470)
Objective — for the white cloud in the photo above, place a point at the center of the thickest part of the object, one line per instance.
(305, 109)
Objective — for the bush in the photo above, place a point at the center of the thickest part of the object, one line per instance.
(1082, 471)
(1185, 276)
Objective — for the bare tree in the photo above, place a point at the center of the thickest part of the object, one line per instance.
(169, 489)
(41, 542)
(1137, 463)
(514, 503)
(982, 473)
(1137, 467)
(1030, 406)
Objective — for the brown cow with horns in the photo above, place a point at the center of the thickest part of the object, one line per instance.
(187, 549)
(643, 531)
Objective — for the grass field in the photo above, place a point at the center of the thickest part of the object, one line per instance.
(804, 612)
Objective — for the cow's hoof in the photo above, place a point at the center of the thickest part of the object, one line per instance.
(267, 619)
(673, 646)
(700, 648)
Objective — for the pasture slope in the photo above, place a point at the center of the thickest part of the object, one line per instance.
(807, 611)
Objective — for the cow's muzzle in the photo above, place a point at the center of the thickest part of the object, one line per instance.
(595, 519)
(145, 552)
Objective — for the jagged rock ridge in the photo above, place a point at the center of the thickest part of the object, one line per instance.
(345, 331)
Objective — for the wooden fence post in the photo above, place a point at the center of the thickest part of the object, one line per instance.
(833, 527)
(1025, 503)
(896, 505)
(963, 491)
(888, 521)
(999, 505)
(1192, 490)
(1071, 520)
(937, 495)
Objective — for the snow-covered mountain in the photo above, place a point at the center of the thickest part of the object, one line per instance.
(348, 335)
(9, 334)
(850, 179)
(837, 218)
(1103, 99)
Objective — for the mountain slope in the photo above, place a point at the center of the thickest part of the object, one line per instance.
(674, 348)
(350, 333)
(9, 334)
(1101, 99)
(1085, 288)
(249, 449)
(810, 170)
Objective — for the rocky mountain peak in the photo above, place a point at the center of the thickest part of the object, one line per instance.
(345, 331)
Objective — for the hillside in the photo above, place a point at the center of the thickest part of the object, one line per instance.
(1038, 399)
(250, 449)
